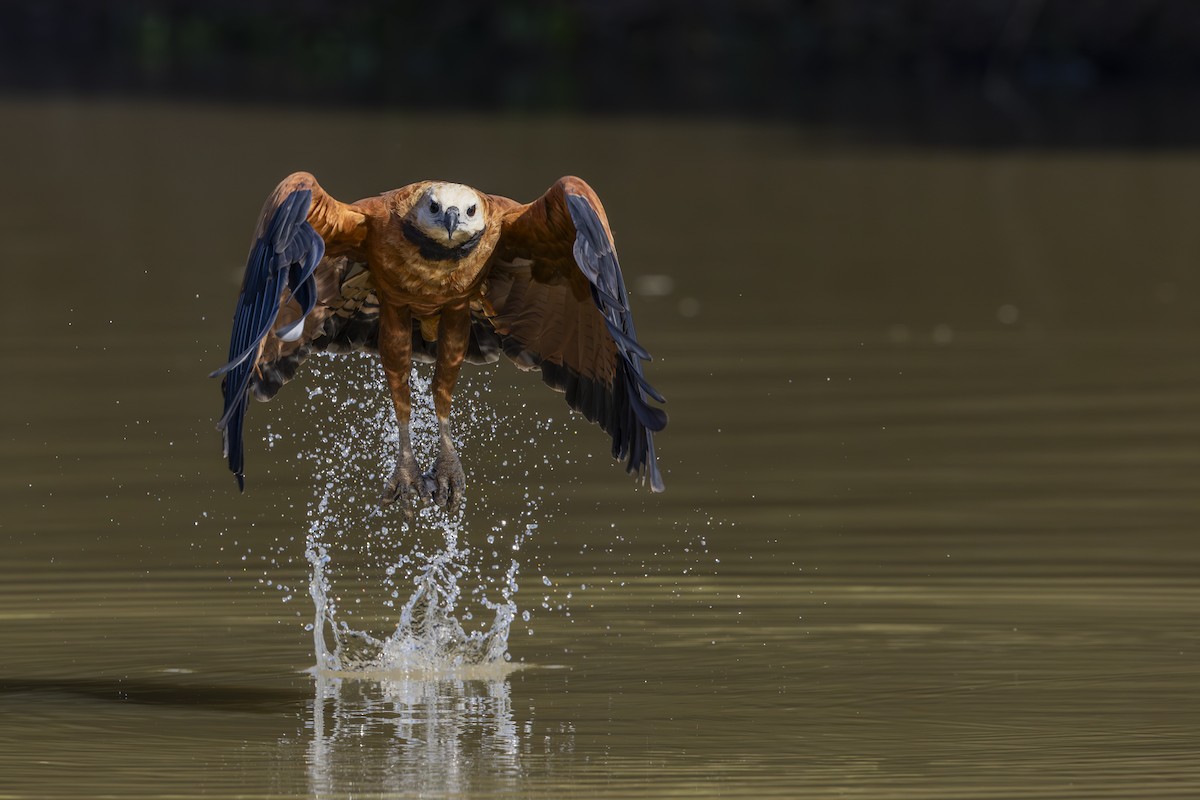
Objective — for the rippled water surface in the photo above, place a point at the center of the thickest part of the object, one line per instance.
(931, 527)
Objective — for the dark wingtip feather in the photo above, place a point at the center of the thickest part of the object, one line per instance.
(630, 420)
(656, 479)
(266, 276)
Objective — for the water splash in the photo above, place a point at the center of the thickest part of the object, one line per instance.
(455, 610)
(429, 638)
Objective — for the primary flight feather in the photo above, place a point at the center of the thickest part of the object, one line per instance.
(441, 272)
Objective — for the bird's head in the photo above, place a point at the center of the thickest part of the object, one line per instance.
(449, 213)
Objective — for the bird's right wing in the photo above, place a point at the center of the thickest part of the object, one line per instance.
(303, 249)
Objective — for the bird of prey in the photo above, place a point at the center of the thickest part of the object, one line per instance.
(440, 272)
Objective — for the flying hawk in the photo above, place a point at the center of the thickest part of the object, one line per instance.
(440, 272)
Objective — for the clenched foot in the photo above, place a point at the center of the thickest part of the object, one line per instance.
(447, 479)
(406, 483)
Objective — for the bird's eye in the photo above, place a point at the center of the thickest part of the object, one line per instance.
(434, 207)
(471, 211)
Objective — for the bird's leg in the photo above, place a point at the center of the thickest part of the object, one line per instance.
(395, 351)
(454, 334)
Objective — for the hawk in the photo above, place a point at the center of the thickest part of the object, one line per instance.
(440, 272)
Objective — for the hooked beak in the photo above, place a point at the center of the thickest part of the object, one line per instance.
(450, 220)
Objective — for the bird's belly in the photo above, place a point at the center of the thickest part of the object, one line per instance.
(426, 291)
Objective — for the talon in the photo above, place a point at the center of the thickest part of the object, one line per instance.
(436, 486)
(447, 481)
(390, 491)
(429, 488)
(405, 483)
(455, 485)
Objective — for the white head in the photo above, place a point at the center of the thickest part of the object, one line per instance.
(449, 213)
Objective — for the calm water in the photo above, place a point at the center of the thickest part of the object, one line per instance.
(931, 527)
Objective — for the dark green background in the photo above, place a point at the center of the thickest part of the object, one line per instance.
(965, 72)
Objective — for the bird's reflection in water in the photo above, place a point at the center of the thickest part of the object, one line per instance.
(419, 736)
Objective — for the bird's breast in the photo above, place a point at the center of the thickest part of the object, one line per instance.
(404, 277)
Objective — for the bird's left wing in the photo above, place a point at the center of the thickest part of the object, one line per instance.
(558, 302)
(298, 225)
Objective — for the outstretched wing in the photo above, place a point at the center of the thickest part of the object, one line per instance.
(560, 305)
(286, 274)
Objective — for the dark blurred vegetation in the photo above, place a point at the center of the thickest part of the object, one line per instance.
(966, 71)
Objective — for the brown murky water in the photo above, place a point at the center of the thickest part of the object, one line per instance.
(931, 527)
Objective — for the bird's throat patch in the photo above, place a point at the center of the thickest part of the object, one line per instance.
(432, 250)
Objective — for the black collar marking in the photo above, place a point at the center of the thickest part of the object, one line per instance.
(432, 250)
